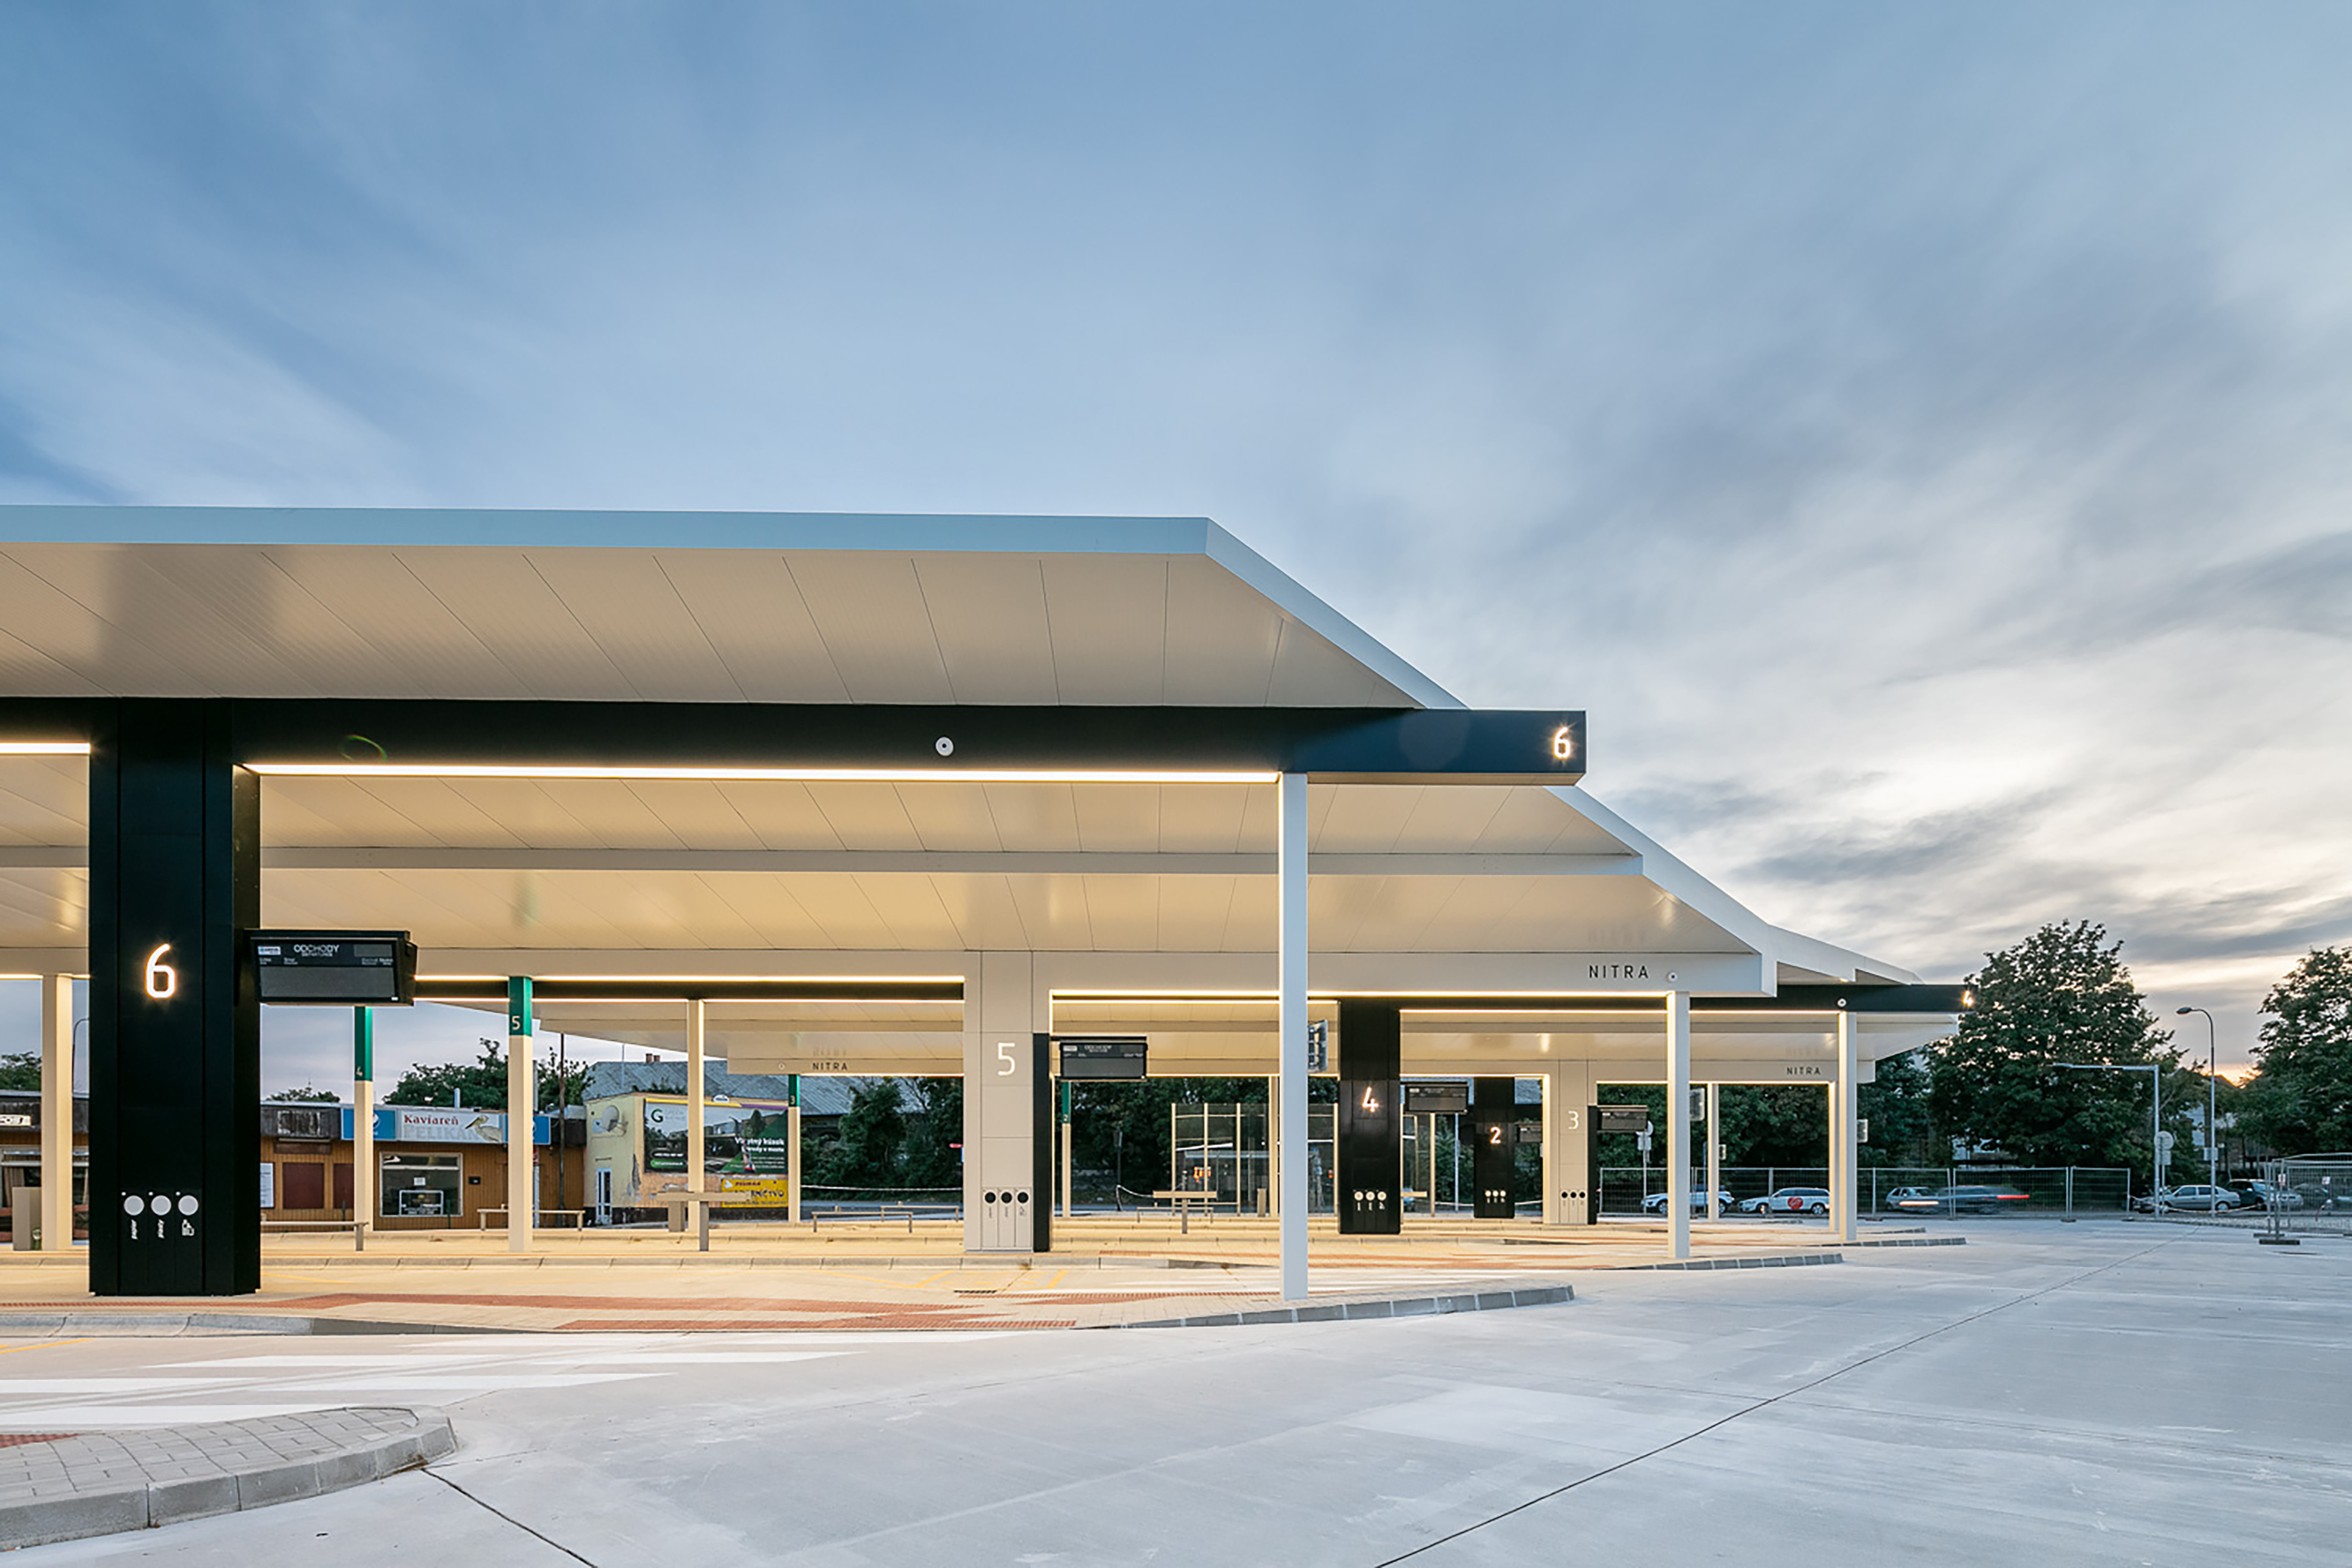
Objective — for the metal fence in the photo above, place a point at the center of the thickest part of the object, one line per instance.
(2042, 1190)
(2310, 1195)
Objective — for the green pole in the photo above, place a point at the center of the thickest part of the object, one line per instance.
(364, 1044)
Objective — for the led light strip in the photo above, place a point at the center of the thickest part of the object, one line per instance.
(44, 749)
(575, 978)
(734, 775)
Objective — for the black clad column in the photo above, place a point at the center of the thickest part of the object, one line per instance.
(1494, 1157)
(175, 1024)
(1369, 1179)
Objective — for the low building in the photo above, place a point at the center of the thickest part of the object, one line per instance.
(438, 1168)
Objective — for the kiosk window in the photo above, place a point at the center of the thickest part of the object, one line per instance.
(421, 1185)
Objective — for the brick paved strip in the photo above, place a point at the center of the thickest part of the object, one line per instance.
(98, 1483)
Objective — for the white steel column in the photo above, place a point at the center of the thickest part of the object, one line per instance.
(56, 1112)
(1845, 1170)
(522, 1104)
(1678, 1149)
(1714, 1150)
(362, 1126)
(1290, 860)
(696, 1064)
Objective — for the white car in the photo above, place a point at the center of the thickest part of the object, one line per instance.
(1789, 1201)
(1656, 1202)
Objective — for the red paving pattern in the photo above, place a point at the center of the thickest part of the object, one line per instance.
(875, 1320)
(17, 1439)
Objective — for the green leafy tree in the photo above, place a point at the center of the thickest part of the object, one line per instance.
(2300, 1098)
(1902, 1121)
(2063, 995)
(20, 1069)
(308, 1095)
(481, 1084)
(864, 1152)
(933, 1157)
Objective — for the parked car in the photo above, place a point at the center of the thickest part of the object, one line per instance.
(1656, 1202)
(2200, 1199)
(2263, 1195)
(1789, 1201)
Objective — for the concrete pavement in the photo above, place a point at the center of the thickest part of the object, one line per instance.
(2046, 1394)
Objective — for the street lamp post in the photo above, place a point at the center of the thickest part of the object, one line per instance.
(2154, 1071)
(2213, 1132)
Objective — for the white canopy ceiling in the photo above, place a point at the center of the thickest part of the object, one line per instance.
(1462, 886)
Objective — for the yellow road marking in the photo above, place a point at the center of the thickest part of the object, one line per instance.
(52, 1344)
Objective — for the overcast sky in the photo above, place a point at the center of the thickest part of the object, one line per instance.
(1917, 435)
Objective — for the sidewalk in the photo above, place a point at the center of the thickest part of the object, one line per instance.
(64, 1486)
(771, 1278)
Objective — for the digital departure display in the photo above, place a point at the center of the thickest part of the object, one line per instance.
(1437, 1099)
(334, 968)
(1103, 1056)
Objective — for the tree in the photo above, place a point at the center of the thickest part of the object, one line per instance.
(306, 1095)
(2063, 995)
(20, 1069)
(2300, 1098)
(865, 1152)
(1902, 1121)
(481, 1084)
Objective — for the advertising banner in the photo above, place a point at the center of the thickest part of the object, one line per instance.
(746, 1147)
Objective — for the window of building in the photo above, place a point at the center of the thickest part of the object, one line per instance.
(421, 1185)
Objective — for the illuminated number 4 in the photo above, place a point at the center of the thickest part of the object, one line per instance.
(1371, 1102)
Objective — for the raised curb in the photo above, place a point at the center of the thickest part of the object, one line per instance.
(1784, 1260)
(1388, 1307)
(1909, 1241)
(143, 1504)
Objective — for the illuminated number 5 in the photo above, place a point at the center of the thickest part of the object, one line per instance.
(1562, 746)
(163, 980)
(1005, 1065)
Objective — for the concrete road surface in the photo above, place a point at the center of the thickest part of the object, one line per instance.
(2047, 1394)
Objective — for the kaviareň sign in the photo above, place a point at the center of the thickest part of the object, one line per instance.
(445, 1124)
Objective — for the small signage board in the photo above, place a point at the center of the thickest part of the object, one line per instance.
(334, 968)
(1437, 1099)
(1621, 1118)
(1102, 1056)
(1530, 1132)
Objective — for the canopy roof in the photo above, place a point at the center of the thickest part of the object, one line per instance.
(1444, 887)
(670, 607)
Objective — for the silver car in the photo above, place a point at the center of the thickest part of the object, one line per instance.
(2198, 1199)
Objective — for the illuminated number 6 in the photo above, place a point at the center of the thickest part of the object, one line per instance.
(163, 980)
(1562, 746)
